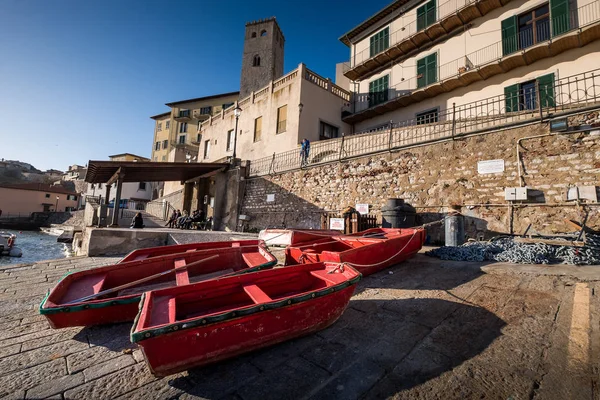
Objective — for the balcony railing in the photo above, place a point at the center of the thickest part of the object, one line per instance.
(183, 115)
(423, 30)
(567, 96)
(479, 60)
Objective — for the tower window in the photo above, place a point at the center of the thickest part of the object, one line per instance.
(263, 33)
(253, 34)
(256, 61)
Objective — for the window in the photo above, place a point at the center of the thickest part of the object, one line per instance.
(206, 110)
(523, 96)
(257, 129)
(47, 195)
(99, 186)
(165, 144)
(281, 119)
(183, 127)
(379, 42)
(199, 138)
(184, 113)
(327, 131)
(263, 33)
(159, 126)
(253, 35)
(427, 70)
(227, 105)
(167, 124)
(71, 197)
(206, 148)
(256, 61)
(142, 186)
(164, 158)
(181, 139)
(378, 91)
(157, 146)
(527, 29)
(426, 15)
(427, 117)
(230, 140)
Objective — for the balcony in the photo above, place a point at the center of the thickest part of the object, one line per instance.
(481, 65)
(183, 116)
(409, 40)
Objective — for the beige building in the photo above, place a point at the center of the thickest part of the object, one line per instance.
(276, 118)
(24, 199)
(177, 129)
(414, 60)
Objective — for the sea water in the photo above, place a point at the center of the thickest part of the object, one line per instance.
(36, 246)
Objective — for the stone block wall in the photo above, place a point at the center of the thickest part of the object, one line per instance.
(433, 177)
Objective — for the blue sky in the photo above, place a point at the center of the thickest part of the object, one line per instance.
(80, 78)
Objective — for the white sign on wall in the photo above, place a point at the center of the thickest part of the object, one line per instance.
(490, 166)
(270, 198)
(336, 224)
(363, 209)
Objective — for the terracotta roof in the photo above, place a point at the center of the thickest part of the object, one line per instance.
(39, 187)
(348, 37)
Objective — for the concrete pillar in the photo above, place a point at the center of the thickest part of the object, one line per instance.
(117, 206)
(188, 193)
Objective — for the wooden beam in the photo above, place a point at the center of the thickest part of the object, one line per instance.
(115, 177)
(206, 175)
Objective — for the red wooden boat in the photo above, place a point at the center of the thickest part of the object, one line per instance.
(69, 302)
(183, 327)
(143, 254)
(293, 237)
(368, 251)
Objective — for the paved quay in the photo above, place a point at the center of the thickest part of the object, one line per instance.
(425, 329)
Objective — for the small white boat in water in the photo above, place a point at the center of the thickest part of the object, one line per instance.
(7, 245)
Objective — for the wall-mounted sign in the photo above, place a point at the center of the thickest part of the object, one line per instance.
(270, 198)
(363, 209)
(490, 166)
(336, 224)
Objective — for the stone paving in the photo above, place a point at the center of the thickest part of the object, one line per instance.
(424, 329)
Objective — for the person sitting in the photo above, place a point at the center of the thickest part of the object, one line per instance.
(182, 220)
(172, 219)
(137, 222)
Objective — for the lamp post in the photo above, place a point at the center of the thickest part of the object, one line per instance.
(56, 206)
(237, 111)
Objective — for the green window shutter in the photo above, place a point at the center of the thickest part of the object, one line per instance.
(511, 97)
(378, 90)
(510, 42)
(431, 68)
(379, 42)
(546, 85)
(426, 15)
(559, 13)
(422, 72)
(386, 39)
(372, 50)
(385, 82)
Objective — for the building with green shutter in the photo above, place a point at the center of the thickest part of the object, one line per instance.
(415, 61)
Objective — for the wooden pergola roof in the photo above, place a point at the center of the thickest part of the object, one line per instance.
(135, 171)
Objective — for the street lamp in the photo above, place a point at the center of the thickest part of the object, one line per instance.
(56, 206)
(237, 111)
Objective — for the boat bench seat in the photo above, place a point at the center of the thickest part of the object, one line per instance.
(182, 277)
(256, 294)
(332, 279)
(253, 259)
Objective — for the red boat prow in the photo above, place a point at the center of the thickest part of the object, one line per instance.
(62, 308)
(183, 327)
(369, 251)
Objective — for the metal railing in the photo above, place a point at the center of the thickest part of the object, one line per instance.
(418, 25)
(525, 105)
(578, 18)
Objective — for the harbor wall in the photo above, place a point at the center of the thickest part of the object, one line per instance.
(436, 176)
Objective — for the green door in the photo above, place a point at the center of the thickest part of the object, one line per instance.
(559, 13)
(511, 98)
(427, 70)
(425, 15)
(510, 42)
(546, 85)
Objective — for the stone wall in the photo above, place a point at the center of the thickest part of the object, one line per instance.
(435, 176)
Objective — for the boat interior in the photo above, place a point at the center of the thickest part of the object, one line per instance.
(86, 283)
(143, 254)
(238, 292)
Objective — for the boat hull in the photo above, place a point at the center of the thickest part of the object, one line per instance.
(293, 237)
(62, 310)
(172, 342)
(368, 255)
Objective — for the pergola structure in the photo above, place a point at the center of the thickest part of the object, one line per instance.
(111, 172)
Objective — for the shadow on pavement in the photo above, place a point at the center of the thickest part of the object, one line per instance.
(398, 345)
(114, 337)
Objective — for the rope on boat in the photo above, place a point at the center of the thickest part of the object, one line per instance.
(389, 259)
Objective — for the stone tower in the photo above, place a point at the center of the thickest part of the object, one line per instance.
(263, 55)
